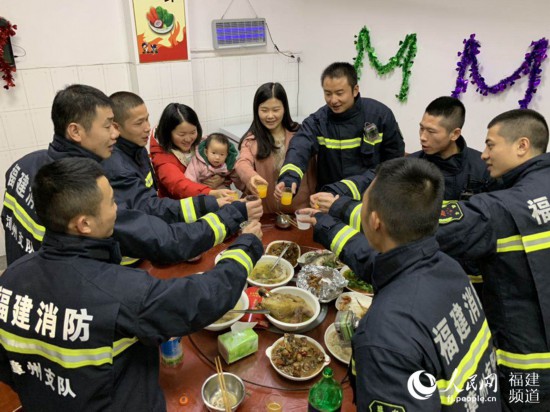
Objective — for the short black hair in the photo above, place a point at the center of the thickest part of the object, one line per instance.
(407, 194)
(64, 189)
(123, 102)
(523, 123)
(173, 115)
(77, 103)
(341, 69)
(452, 110)
(217, 137)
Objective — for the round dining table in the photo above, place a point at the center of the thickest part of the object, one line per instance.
(182, 384)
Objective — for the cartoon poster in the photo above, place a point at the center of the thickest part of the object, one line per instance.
(160, 30)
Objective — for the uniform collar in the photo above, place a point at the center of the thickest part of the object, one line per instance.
(348, 114)
(451, 164)
(136, 152)
(510, 178)
(67, 246)
(389, 265)
(61, 147)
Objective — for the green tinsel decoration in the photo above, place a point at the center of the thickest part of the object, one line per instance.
(403, 58)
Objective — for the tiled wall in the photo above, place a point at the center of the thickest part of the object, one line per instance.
(220, 89)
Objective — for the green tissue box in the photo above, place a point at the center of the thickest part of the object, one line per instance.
(236, 345)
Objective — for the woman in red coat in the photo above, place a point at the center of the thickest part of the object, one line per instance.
(172, 147)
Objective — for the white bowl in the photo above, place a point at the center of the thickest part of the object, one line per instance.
(270, 260)
(277, 242)
(310, 299)
(330, 335)
(242, 303)
(295, 378)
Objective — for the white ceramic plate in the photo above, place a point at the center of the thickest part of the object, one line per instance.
(342, 271)
(294, 378)
(311, 300)
(354, 301)
(241, 304)
(333, 345)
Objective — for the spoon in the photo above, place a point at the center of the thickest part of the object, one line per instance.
(280, 256)
(260, 311)
(282, 221)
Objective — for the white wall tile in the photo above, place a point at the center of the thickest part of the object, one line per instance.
(62, 77)
(92, 76)
(3, 137)
(247, 99)
(148, 76)
(280, 72)
(186, 100)
(155, 108)
(6, 160)
(200, 106)
(215, 105)
(214, 126)
(249, 71)
(39, 88)
(43, 126)
(182, 78)
(265, 68)
(19, 129)
(231, 72)
(292, 71)
(199, 83)
(291, 92)
(166, 83)
(213, 73)
(117, 78)
(2, 241)
(14, 98)
(232, 102)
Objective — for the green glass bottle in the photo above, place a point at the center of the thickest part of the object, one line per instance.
(326, 395)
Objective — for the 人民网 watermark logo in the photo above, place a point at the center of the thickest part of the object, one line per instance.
(417, 389)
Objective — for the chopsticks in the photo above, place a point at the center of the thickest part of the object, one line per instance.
(221, 381)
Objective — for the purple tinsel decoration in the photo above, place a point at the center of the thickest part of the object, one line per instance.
(530, 66)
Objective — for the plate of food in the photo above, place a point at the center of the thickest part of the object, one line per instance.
(292, 254)
(340, 350)
(160, 20)
(358, 303)
(291, 308)
(230, 318)
(354, 283)
(320, 258)
(297, 357)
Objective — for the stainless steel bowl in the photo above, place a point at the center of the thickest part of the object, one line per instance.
(210, 387)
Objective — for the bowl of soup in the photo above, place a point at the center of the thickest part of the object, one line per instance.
(267, 276)
(291, 308)
(230, 318)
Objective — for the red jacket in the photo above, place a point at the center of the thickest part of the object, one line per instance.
(171, 174)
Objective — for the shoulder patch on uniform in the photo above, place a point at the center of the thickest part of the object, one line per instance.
(450, 211)
(379, 406)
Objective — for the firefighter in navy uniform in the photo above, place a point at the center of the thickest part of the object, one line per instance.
(83, 117)
(129, 169)
(507, 233)
(80, 332)
(349, 135)
(424, 344)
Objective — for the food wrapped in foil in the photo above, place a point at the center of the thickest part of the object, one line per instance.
(324, 282)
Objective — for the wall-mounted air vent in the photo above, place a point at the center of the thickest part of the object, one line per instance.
(238, 33)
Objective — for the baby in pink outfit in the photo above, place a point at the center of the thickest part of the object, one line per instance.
(214, 156)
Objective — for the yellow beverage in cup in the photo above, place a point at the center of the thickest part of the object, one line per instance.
(262, 190)
(286, 197)
(274, 407)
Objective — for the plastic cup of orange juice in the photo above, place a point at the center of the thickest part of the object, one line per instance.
(286, 197)
(262, 190)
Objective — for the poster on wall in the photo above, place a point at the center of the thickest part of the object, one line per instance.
(160, 30)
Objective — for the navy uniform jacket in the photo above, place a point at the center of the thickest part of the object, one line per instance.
(465, 174)
(133, 180)
(425, 318)
(508, 233)
(341, 146)
(140, 235)
(81, 333)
